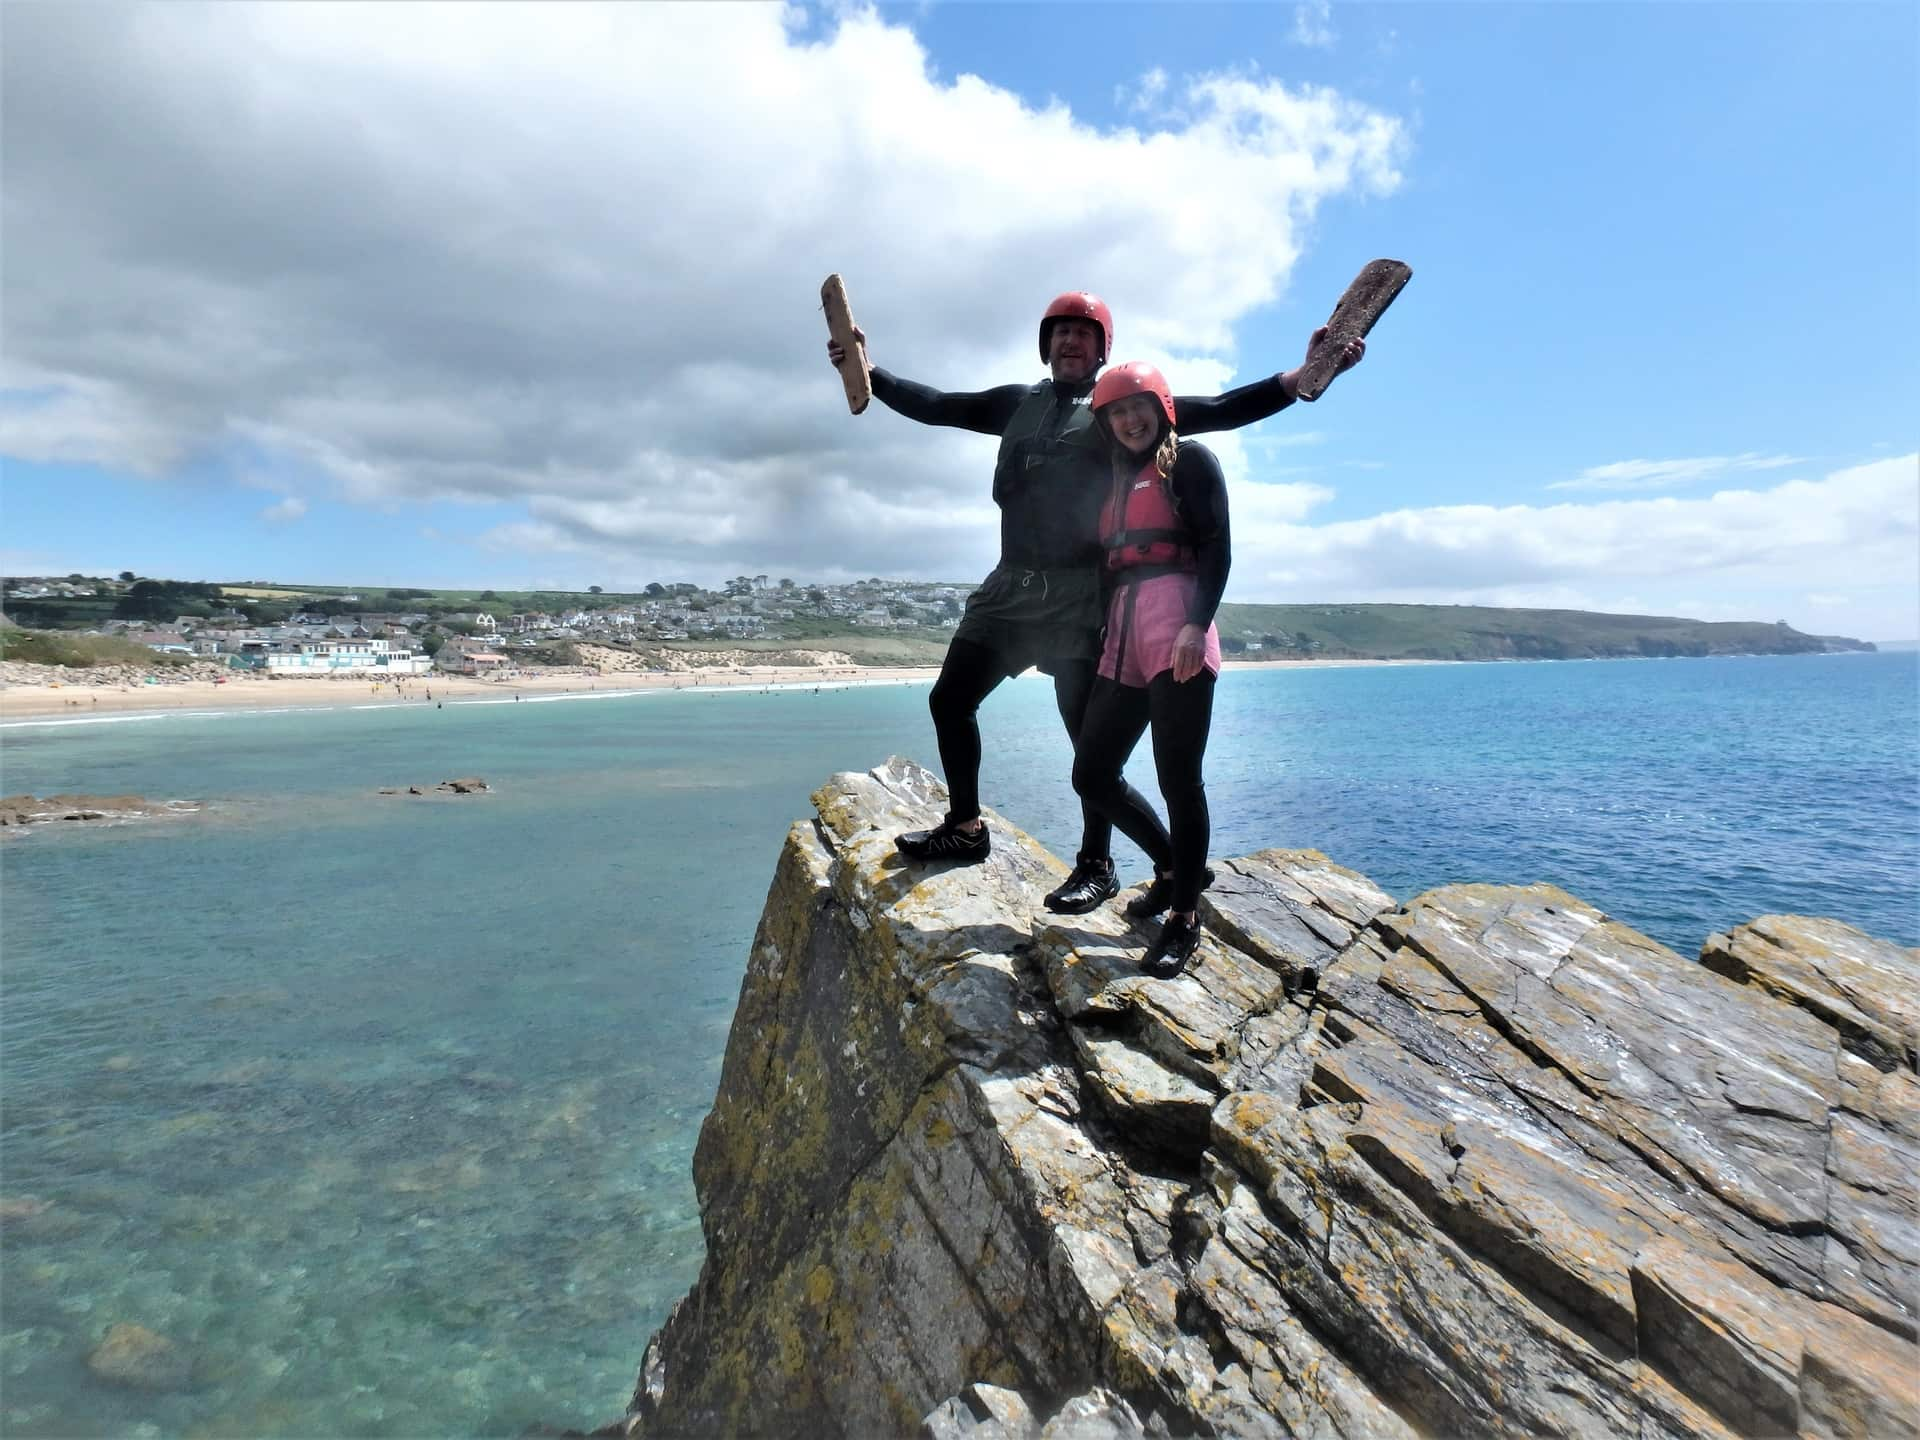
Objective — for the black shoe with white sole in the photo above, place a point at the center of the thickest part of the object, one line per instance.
(1172, 948)
(1091, 883)
(946, 841)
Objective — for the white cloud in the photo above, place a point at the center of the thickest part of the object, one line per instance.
(1313, 24)
(1145, 94)
(1664, 474)
(1857, 528)
(79, 419)
(284, 511)
(568, 258)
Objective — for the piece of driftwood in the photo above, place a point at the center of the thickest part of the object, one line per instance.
(1366, 300)
(854, 369)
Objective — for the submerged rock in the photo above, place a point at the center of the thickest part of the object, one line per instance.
(1485, 1162)
(135, 1356)
(29, 809)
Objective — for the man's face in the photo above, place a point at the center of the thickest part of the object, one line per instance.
(1073, 349)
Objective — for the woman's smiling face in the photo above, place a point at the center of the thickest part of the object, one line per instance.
(1134, 421)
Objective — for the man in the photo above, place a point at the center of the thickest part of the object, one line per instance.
(1042, 604)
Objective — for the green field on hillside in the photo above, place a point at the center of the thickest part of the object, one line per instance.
(1250, 632)
(1471, 632)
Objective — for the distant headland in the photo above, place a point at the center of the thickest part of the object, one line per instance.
(80, 620)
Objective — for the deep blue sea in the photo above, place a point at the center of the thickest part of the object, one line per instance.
(382, 1109)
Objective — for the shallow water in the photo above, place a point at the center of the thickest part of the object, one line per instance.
(382, 1108)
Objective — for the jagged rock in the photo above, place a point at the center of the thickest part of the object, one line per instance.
(982, 1412)
(987, 1412)
(1860, 986)
(1097, 1415)
(1488, 1162)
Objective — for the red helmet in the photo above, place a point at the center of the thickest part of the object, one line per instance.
(1078, 305)
(1136, 377)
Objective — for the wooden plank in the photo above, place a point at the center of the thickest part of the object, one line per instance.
(1366, 300)
(854, 369)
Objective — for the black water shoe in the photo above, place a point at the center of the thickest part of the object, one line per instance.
(1173, 947)
(947, 841)
(1091, 884)
(1155, 899)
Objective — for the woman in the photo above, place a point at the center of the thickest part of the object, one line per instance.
(1164, 530)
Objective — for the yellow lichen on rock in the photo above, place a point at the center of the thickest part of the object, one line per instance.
(1486, 1162)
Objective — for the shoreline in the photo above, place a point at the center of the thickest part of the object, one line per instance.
(42, 694)
(75, 699)
(68, 693)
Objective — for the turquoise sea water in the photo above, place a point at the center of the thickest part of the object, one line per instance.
(382, 1109)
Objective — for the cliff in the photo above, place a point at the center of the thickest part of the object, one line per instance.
(1485, 632)
(1483, 1162)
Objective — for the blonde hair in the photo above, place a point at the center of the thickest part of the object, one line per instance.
(1168, 452)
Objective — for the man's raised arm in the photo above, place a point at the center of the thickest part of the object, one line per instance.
(1202, 414)
(986, 411)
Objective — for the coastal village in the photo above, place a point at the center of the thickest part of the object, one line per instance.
(171, 631)
(368, 633)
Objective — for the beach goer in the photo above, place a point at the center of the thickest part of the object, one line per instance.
(1042, 604)
(1164, 533)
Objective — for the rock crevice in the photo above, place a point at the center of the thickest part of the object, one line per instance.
(1481, 1162)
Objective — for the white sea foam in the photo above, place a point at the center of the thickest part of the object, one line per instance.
(120, 719)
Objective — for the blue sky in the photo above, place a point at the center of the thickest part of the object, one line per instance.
(521, 297)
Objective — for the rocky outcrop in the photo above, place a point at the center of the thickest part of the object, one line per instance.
(30, 810)
(101, 677)
(609, 661)
(466, 785)
(1486, 1162)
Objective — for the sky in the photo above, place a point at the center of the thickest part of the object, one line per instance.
(528, 297)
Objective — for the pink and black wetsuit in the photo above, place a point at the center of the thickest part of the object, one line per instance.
(1168, 553)
(1167, 558)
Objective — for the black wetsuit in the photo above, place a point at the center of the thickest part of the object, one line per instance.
(1180, 712)
(1042, 603)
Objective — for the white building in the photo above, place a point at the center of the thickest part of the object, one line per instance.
(374, 656)
(471, 662)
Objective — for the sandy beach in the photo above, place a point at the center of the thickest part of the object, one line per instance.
(50, 692)
(59, 693)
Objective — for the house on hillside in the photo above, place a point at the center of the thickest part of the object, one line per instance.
(167, 642)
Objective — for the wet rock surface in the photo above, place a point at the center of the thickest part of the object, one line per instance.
(466, 785)
(1485, 1162)
(30, 809)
